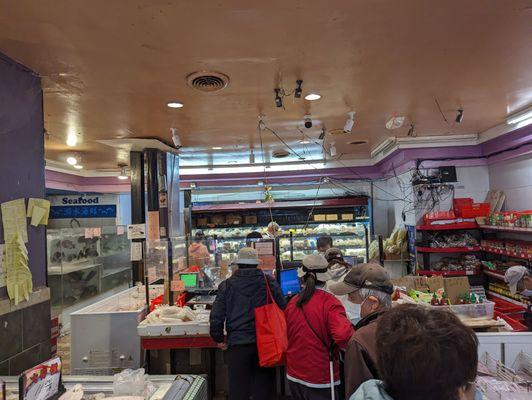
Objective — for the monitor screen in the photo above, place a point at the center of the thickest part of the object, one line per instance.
(290, 282)
(190, 279)
(350, 260)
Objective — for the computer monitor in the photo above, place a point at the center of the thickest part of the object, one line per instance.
(290, 282)
(190, 279)
(350, 260)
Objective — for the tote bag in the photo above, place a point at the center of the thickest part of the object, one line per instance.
(270, 327)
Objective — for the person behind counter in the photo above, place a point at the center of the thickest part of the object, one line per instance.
(423, 354)
(369, 288)
(273, 230)
(316, 327)
(234, 308)
(198, 254)
(519, 280)
(252, 237)
(324, 243)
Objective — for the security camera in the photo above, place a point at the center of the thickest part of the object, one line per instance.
(308, 121)
(349, 122)
(175, 138)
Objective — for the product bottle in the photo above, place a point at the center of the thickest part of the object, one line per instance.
(473, 298)
(434, 300)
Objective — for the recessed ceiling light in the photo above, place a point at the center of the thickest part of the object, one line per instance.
(72, 140)
(217, 148)
(77, 166)
(312, 96)
(175, 104)
(72, 160)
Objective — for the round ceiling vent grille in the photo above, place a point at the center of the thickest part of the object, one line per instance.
(207, 81)
(280, 154)
(358, 142)
(337, 132)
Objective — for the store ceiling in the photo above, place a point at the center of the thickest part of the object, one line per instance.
(109, 67)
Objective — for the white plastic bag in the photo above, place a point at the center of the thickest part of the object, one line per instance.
(131, 382)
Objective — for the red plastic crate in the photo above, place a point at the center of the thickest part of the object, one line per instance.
(476, 210)
(460, 203)
(514, 323)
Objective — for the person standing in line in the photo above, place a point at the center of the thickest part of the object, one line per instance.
(324, 243)
(368, 287)
(198, 254)
(233, 308)
(423, 354)
(317, 327)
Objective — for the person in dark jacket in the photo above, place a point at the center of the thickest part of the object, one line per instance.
(234, 307)
(368, 287)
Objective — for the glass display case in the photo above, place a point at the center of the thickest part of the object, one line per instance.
(85, 262)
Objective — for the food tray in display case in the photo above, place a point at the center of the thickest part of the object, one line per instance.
(200, 326)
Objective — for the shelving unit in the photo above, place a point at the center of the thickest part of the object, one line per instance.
(521, 256)
(426, 251)
(505, 229)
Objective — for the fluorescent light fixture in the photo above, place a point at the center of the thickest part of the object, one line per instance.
(72, 160)
(72, 140)
(312, 96)
(192, 185)
(216, 147)
(523, 123)
(175, 104)
(304, 141)
(521, 119)
(77, 166)
(123, 174)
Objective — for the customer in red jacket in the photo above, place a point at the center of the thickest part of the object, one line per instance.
(317, 327)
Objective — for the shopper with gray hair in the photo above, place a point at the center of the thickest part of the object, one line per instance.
(367, 286)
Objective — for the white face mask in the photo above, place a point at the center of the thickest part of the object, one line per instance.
(527, 293)
(353, 312)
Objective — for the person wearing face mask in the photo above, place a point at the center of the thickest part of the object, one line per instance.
(369, 289)
(423, 354)
(519, 280)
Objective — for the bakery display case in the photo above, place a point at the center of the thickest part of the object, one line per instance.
(85, 262)
(346, 220)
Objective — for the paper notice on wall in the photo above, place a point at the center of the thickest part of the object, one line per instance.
(2, 267)
(264, 247)
(153, 225)
(136, 231)
(136, 251)
(39, 211)
(14, 220)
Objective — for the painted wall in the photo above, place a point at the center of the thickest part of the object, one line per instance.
(514, 177)
(22, 151)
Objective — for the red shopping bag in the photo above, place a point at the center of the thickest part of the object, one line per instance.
(270, 326)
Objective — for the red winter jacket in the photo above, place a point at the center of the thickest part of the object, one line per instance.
(307, 359)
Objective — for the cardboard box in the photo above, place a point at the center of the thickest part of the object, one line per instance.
(233, 219)
(250, 219)
(319, 217)
(331, 217)
(347, 217)
(202, 221)
(218, 220)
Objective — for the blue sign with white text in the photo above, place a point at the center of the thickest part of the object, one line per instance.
(89, 211)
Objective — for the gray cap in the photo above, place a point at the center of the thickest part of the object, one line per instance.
(369, 276)
(315, 263)
(513, 275)
(247, 256)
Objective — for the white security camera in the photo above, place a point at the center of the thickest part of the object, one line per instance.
(308, 121)
(175, 138)
(349, 122)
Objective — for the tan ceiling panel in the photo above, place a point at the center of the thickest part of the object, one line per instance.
(109, 67)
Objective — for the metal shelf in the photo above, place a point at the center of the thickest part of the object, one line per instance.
(422, 249)
(505, 229)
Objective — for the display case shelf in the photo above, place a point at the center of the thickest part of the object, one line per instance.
(422, 249)
(446, 273)
(522, 256)
(505, 229)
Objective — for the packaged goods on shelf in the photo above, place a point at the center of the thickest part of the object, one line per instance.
(446, 240)
(466, 262)
(517, 219)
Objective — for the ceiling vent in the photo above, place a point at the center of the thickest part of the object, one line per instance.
(357, 142)
(337, 132)
(207, 81)
(280, 154)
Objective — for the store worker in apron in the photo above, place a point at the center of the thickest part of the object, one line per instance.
(424, 354)
(519, 280)
(198, 254)
(369, 289)
(234, 308)
(317, 328)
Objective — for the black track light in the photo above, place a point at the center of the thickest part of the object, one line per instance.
(298, 90)
(278, 98)
(459, 115)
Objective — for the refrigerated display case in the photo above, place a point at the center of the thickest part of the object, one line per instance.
(226, 226)
(85, 262)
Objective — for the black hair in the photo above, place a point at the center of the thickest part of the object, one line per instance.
(324, 241)
(251, 236)
(310, 281)
(199, 236)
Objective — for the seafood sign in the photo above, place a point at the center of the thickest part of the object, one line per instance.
(86, 206)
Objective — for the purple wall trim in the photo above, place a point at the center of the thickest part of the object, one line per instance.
(22, 152)
(400, 161)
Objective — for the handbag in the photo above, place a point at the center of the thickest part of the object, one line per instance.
(270, 328)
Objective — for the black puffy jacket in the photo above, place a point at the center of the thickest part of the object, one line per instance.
(235, 305)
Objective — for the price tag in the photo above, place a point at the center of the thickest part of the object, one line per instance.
(178, 286)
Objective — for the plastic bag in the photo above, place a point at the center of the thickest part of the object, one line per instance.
(131, 382)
